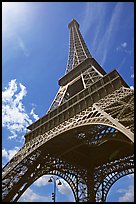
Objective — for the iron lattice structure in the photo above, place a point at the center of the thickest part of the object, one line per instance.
(86, 137)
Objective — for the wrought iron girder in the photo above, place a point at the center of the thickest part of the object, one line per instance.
(109, 173)
(99, 127)
(91, 75)
(55, 165)
(92, 115)
(50, 166)
(17, 175)
(59, 97)
(121, 110)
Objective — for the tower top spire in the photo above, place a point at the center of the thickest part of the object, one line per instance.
(78, 50)
(72, 23)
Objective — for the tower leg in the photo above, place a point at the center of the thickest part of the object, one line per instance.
(90, 186)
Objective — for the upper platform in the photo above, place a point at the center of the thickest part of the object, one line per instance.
(80, 69)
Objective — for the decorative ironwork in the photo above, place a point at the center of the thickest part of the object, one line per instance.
(86, 137)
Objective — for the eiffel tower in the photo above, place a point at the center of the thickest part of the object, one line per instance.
(86, 137)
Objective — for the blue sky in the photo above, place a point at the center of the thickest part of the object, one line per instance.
(35, 44)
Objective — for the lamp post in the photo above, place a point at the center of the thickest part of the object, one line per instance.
(54, 193)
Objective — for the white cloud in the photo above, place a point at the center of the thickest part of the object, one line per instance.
(130, 176)
(36, 117)
(128, 195)
(30, 196)
(127, 192)
(14, 116)
(132, 72)
(64, 188)
(4, 153)
(42, 181)
(9, 92)
(132, 87)
(122, 190)
(124, 44)
(132, 75)
(8, 154)
(122, 48)
(23, 47)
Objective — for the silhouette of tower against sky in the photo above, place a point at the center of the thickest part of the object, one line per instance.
(87, 135)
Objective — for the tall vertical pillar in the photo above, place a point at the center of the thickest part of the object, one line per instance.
(90, 185)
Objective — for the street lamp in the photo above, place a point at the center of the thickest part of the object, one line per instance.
(54, 193)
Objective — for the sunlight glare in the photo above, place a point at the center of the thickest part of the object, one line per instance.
(13, 14)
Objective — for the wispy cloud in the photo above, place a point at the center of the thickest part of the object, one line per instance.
(110, 33)
(64, 188)
(105, 33)
(14, 116)
(132, 72)
(131, 176)
(128, 194)
(21, 45)
(91, 19)
(122, 192)
(121, 64)
(15, 22)
(123, 48)
(124, 44)
(30, 196)
(94, 17)
(42, 181)
(8, 154)
(36, 117)
(132, 75)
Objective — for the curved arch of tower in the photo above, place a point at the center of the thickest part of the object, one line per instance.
(87, 135)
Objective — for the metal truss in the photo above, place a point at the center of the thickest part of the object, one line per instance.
(59, 98)
(93, 115)
(90, 76)
(107, 174)
(32, 169)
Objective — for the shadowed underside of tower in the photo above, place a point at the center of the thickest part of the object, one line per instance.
(86, 137)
